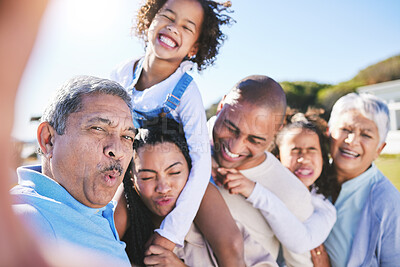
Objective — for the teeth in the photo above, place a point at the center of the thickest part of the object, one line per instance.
(167, 41)
(230, 154)
(304, 171)
(349, 152)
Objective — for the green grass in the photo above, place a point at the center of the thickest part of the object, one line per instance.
(390, 167)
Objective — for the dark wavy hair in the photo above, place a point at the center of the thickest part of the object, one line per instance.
(141, 226)
(326, 183)
(211, 37)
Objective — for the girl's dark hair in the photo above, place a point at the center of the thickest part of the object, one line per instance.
(211, 37)
(141, 226)
(326, 183)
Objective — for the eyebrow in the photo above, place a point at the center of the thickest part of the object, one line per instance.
(108, 122)
(153, 171)
(99, 119)
(237, 129)
(189, 21)
(367, 130)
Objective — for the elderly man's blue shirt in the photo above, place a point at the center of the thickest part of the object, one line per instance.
(55, 214)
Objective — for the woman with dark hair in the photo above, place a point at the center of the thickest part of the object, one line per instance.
(160, 169)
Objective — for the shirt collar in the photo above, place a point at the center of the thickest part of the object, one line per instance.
(360, 181)
(31, 176)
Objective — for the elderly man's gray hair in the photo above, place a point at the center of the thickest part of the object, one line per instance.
(68, 98)
(369, 106)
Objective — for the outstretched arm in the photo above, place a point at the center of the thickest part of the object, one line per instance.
(217, 225)
(295, 235)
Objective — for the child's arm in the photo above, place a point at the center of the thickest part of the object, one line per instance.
(217, 225)
(297, 236)
(192, 115)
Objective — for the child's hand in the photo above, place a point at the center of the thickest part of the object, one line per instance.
(158, 240)
(159, 256)
(320, 257)
(236, 182)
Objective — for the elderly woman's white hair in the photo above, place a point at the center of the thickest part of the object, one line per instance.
(369, 106)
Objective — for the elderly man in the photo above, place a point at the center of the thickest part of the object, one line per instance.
(85, 138)
(246, 123)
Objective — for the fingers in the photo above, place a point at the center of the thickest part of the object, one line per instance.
(160, 256)
(237, 183)
(320, 257)
(158, 240)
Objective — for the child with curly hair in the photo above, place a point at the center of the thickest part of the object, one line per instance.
(178, 34)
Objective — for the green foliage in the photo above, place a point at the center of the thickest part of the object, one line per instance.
(328, 96)
(304, 94)
(301, 95)
(383, 71)
(211, 111)
(387, 70)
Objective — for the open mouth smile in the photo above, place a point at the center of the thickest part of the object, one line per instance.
(304, 172)
(230, 154)
(348, 153)
(167, 41)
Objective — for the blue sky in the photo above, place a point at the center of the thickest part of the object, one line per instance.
(288, 40)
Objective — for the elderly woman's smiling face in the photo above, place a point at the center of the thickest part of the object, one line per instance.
(160, 174)
(354, 144)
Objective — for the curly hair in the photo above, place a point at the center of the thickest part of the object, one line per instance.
(141, 226)
(211, 37)
(326, 183)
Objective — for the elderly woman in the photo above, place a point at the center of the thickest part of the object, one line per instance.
(367, 230)
(160, 171)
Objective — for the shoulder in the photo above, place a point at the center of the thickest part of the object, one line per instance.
(34, 219)
(123, 71)
(191, 91)
(277, 170)
(196, 249)
(384, 192)
(191, 101)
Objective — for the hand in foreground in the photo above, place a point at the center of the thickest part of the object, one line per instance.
(236, 182)
(159, 256)
(320, 257)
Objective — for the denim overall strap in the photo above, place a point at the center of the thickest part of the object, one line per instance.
(140, 118)
(174, 98)
(137, 71)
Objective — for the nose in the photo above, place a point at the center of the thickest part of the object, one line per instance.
(302, 158)
(237, 145)
(163, 185)
(113, 148)
(172, 29)
(351, 137)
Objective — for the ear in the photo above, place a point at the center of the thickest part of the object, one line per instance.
(379, 150)
(221, 104)
(193, 50)
(327, 132)
(45, 137)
